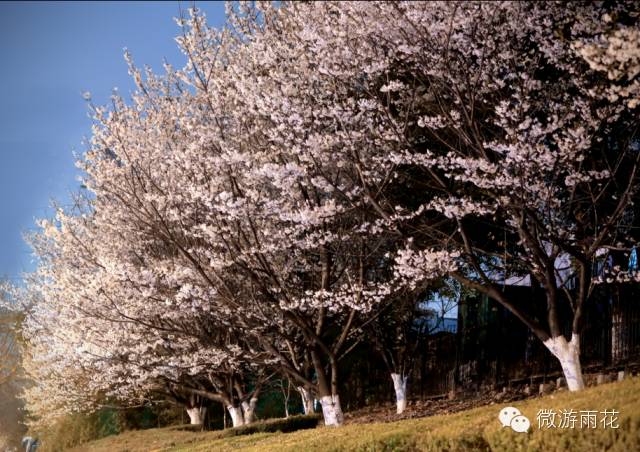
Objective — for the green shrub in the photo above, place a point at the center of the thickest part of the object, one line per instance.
(79, 428)
(284, 425)
(186, 428)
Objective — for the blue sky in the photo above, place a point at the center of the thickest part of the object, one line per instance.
(50, 53)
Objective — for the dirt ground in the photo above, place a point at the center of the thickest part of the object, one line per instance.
(422, 408)
(465, 400)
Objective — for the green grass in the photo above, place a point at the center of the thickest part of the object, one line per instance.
(473, 430)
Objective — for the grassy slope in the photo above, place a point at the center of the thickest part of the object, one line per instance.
(477, 429)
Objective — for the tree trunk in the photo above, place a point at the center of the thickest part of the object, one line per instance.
(249, 410)
(331, 410)
(568, 353)
(307, 400)
(237, 418)
(329, 399)
(400, 386)
(196, 415)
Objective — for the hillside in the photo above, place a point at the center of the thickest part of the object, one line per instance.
(476, 429)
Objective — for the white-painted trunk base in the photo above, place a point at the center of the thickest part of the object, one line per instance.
(196, 415)
(568, 353)
(331, 411)
(249, 410)
(237, 419)
(400, 387)
(307, 400)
